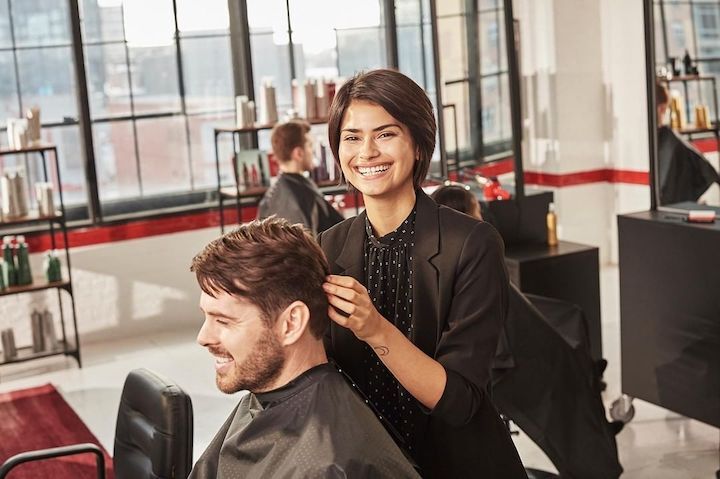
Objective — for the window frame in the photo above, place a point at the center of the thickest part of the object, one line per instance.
(99, 212)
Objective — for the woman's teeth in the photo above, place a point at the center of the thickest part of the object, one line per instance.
(372, 170)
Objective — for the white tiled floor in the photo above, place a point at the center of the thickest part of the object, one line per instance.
(657, 444)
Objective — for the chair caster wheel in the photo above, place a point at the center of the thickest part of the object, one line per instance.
(622, 409)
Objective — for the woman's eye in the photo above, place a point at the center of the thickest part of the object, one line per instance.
(350, 138)
(386, 134)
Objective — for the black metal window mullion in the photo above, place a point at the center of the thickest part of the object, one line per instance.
(291, 47)
(131, 97)
(13, 42)
(694, 28)
(498, 78)
(94, 208)
(423, 60)
(181, 90)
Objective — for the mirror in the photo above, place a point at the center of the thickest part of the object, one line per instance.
(476, 82)
(685, 37)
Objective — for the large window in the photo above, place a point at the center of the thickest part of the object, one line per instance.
(474, 78)
(326, 39)
(36, 69)
(158, 76)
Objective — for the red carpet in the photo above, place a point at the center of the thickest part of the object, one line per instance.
(38, 418)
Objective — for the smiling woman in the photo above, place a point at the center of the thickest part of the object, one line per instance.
(418, 292)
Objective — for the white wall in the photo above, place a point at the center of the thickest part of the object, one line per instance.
(122, 289)
(583, 71)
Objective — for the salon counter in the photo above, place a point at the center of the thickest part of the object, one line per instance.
(670, 312)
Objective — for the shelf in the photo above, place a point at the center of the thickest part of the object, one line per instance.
(33, 217)
(26, 353)
(691, 131)
(683, 78)
(258, 127)
(231, 191)
(38, 285)
(30, 149)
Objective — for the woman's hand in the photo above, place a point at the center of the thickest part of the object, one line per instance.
(349, 296)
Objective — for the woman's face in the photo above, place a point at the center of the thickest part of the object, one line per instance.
(377, 152)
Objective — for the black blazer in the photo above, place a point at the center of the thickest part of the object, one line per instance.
(460, 298)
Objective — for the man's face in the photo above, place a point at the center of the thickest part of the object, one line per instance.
(248, 354)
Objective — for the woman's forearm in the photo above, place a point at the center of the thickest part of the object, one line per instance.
(419, 374)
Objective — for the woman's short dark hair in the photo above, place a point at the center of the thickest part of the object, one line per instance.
(270, 263)
(402, 98)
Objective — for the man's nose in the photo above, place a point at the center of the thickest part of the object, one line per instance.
(206, 334)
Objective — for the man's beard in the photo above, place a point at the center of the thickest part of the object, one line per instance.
(260, 368)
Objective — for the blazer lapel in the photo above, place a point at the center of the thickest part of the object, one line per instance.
(426, 290)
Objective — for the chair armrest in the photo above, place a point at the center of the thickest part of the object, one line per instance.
(42, 454)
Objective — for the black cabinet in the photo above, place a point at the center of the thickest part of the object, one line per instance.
(568, 271)
(670, 313)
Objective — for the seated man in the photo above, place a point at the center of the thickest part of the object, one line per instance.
(684, 173)
(294, 196)
(265, 316)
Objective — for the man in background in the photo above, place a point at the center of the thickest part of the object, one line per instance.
(294, 196)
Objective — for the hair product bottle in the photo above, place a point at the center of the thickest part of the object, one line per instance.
(552, 239)
(53, 271)
(24, 274)
(9, 270)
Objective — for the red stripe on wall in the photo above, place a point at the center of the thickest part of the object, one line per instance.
(139, 229)
(706, 145)
(192, 221)
(584, 177)
(153, 227)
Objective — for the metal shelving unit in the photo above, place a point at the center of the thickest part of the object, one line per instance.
(55, 223)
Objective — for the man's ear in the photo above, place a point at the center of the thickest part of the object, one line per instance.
(293, 323)
(297, 153)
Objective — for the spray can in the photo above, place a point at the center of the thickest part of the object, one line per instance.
(552, 239)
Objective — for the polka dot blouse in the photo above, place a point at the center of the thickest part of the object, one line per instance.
(388, 278)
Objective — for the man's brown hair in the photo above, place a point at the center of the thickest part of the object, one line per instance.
(269, 263)
(285, 137)
(400, 97)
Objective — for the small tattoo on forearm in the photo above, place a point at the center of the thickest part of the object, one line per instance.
(382, 350)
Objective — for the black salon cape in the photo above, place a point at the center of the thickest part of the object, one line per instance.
(298, 200)
(684, 172)
(548, 388)
(314, 427)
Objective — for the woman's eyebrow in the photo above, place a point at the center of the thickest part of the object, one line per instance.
(382, 127)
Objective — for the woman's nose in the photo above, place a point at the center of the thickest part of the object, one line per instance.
(368, 149)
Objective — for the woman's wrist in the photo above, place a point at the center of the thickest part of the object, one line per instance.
(380, 339)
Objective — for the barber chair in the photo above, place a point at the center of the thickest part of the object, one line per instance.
(153, 435)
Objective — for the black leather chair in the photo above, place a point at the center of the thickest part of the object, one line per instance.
(153, 435)
(154, 431)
